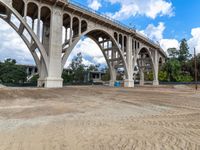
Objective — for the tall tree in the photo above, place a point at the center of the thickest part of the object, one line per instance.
(78, 68)
(184, 53)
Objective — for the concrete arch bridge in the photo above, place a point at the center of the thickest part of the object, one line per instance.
(41, 24)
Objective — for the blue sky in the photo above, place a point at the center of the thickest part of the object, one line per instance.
(165, 21)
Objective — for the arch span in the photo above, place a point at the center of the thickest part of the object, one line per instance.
(24, 30)
(93, 35)
(145, 63)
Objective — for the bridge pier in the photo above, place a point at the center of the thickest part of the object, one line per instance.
(129, 82)
(141, 78)
(113, 76)
(54, 51)
(156, 69)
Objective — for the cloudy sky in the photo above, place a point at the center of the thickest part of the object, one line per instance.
(165, 21)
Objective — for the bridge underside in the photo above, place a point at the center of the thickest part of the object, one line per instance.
(41, 26)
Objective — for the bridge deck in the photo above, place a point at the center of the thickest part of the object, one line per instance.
(76, 7)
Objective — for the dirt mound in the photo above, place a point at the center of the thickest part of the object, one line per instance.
(2, 86)
(182, 87)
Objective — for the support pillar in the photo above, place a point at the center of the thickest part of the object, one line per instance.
(141, 77)
(55, 51)
(156, 81)
(42, 74)
(38, 23)
(129, 82)
(113, 76)
(45, 41)
(71, 30)
(25, 11)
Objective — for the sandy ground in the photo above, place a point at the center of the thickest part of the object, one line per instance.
(100, 118)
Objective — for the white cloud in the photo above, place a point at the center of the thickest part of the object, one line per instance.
(149, 8)
(169, 43)
(194, 42)
(91, 52)
(12, 46)
(94, 4)
(156, 33)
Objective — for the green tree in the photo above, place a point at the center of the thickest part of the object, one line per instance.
(184, 53)
(34, 79)
(67, 76)
(162, 76)
(12, 73)
(93, 68)
(106, 77)
(173, 52)
(173, 69)
(78, 68)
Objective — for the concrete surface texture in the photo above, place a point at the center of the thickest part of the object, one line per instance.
(122, 46)
(100, 118)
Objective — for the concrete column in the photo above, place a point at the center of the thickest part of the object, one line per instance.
(129, 82)
(123, 44)
(42, 74)
(141, 77)
(33, 28)
(79, 28)
(25, 11)
(43, 70)
(156, 82)
(71, 29)
(55, 50)
(38, 23)
(66, 34)
(113, 76)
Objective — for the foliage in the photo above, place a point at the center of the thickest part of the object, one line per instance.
(149, 76)
(173, 69)
(12, 73)
(34, 79)
(67, 76)
(77, 71)
(78, 68)
(93, 68)
(179, 66)
(162, 76)
(106, 77)
(173, 52)
(184, 54)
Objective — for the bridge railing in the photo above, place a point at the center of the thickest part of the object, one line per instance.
(77, 4)
(150, 40)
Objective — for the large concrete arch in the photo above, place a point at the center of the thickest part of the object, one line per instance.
(69, 50)
(32, 46)
(153, 63)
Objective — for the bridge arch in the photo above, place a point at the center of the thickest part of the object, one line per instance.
(91, 34)
(145, 61)
(18, 4)
(84, 26)
(25, 32)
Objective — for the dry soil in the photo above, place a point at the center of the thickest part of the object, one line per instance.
(100, 118)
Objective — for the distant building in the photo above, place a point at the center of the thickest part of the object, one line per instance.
(94, 76)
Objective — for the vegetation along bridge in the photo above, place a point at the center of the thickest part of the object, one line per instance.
(121, 46)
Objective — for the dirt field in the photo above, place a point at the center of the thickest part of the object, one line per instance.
(100, 118)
